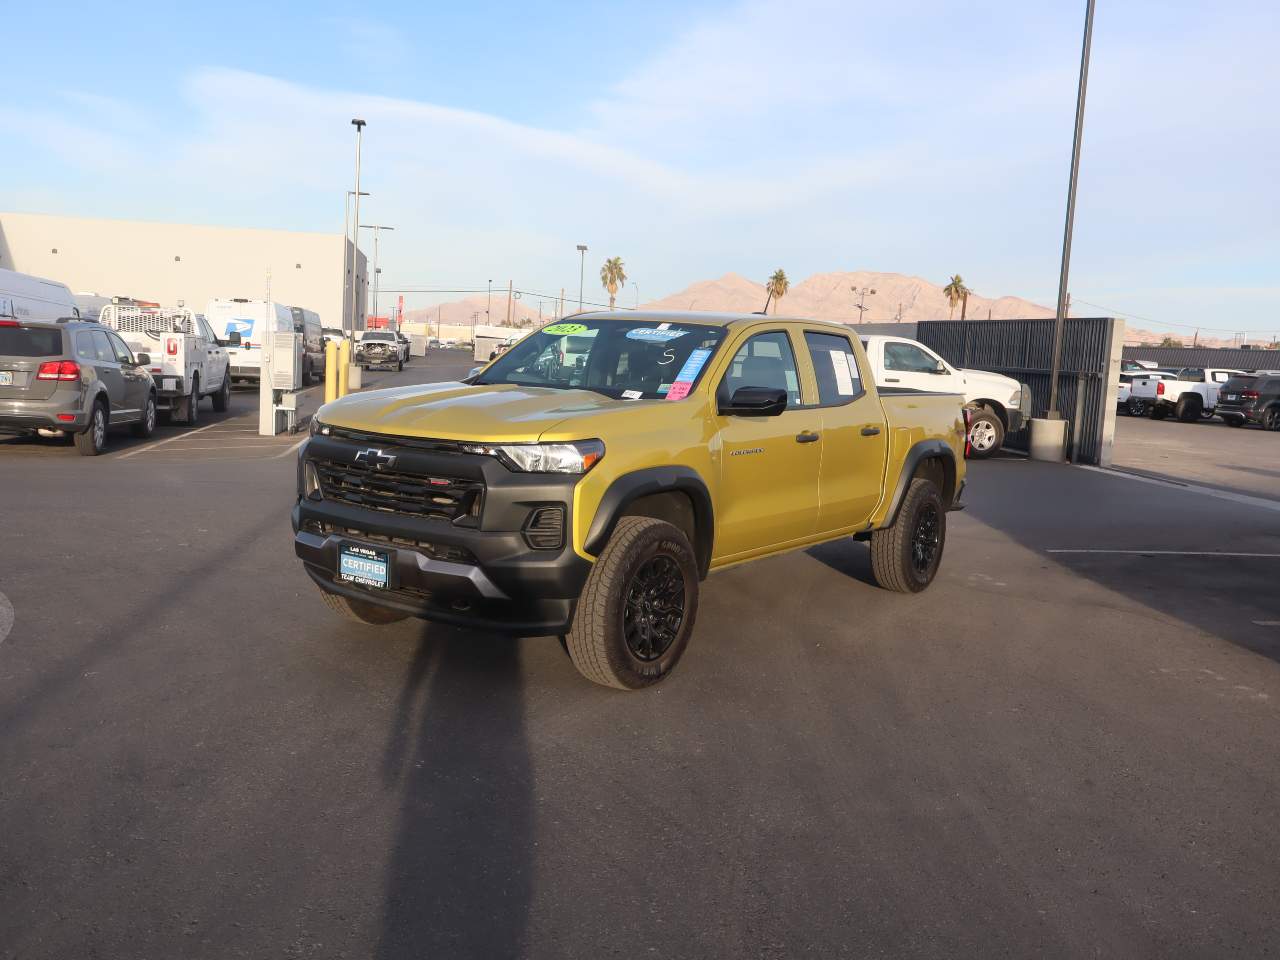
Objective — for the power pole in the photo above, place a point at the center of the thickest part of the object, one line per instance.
(508, 303)
(355, 236)
(582, 273)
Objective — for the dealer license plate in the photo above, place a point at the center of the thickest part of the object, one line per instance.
(6, 378)
(363, 566)
(1233, 396)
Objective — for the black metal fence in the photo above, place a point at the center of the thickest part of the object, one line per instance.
(1231, 359)
(1023, 349)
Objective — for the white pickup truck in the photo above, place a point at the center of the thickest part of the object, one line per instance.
(999, 404)
(1190, 394)
(187, 361)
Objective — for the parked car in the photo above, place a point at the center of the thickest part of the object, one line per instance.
(379, 348)
(1129, 404)
(1190, 394)
(999, 405)
(188, 362)
(307, 323)
(590, 500)
(72, 377)
(1251, 398)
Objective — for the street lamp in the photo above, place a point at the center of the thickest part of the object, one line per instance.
(862, 295)
(347, 268)
(377, 229)
(582, 273)
(355, 252)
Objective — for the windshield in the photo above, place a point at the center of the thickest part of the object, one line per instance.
(629, 360)
(385, 337)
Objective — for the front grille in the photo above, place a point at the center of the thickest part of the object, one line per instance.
(435, 498)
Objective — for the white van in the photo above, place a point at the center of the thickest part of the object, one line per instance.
(307, 323)
(243, 325)
(23, 297)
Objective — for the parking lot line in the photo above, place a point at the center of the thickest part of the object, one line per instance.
(1174, 553)
(285, 453)
(159, 443)
(1189, 487)
(222, 446)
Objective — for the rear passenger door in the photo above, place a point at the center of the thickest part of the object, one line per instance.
(855, 436)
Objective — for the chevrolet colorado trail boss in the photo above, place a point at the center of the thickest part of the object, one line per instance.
(589, 498)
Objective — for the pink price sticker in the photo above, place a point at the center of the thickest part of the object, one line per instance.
(679, 390)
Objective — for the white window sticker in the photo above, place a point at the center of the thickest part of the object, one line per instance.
(632, 394)
(844, 382)
(853, 368)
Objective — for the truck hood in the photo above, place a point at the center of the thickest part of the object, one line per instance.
(493, 413)
(995, 386)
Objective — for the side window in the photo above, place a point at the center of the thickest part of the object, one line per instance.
(205, 332)
(835, 367)
(102, 348)
(123, 353)
(1221, 376)
(765, 360)
(85, 349)
(1192, 375)
(908, 358)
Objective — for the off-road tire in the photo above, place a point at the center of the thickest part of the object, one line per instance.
(597, 639)
(222, 399)
(1189, 407)
(358, 611)
(93, 440)
(147, 425)
(893, 549)
(991, 429)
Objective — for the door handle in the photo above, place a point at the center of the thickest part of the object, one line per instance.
(871, 431)
(891, 380)
(807, 437)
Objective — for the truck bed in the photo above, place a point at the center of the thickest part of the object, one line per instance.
(915, 415)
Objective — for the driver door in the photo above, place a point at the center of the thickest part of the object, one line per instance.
(909, 365)
(769, 466)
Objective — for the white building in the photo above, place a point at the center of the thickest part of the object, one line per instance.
(168, 262)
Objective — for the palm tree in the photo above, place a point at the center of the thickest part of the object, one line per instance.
(777, 286)
(957, 292)
(613, 275)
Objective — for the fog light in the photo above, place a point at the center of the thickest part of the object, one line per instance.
(545, 528)
(310, 481)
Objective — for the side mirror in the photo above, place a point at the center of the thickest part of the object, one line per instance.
(142, 359)
(939, 369)
(755, 402)
(233, 338)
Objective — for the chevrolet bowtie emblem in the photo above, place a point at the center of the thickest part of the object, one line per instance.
(375, 458)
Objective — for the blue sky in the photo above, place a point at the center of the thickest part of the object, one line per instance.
(692, 139)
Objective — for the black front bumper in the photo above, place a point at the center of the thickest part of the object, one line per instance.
(475, 572)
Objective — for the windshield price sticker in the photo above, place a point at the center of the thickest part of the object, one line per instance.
(688, 373)
(654, 334)
(679, 390)
(565, 329)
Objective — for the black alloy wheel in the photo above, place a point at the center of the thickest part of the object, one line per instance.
(1271, 419)
(654, 608)
(925, 540)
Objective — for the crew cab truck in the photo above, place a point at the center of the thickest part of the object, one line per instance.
(999, 405)
(188, 362)
(590, 499)
(1190, 394)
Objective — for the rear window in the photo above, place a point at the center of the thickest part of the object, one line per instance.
(1239, 383)
(30, 342)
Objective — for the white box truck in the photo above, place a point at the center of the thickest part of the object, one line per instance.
(243, 325)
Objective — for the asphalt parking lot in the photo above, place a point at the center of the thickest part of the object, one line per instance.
(1245, 459)
(1065, 747)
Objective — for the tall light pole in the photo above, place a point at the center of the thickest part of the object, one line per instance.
(377, 229)
(862, 295)
(347, 270)
(1059, 320)
(488, 303)
(355, 252)
(582, 273)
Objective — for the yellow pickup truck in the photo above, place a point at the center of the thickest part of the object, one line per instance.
(585, 482)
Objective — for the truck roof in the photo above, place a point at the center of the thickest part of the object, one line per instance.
(694, 316)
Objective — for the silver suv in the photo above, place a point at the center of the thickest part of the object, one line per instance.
(72, 377)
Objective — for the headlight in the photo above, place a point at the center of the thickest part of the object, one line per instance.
(577, 457)
(318, 427)
(1015, 401)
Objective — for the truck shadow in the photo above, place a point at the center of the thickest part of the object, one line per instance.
(459, 880)
(846, 556)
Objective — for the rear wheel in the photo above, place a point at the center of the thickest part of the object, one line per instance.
(1189, 407)
(1271, 418)
(361, 612)
(147, 425)
(905, 556)
(637, 609)
(191, 405)
(986, 434)
(91, 442)
(222, 399)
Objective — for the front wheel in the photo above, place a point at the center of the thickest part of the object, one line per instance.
(222, 399)
(905, 556)
(986, 434)
(1137, 407)
(637, 609)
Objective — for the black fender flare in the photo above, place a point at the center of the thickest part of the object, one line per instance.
(922, 450)
(642, 483)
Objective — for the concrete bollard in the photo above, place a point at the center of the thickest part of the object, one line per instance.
(344, 364)
(330, 371)
(1048, 439)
